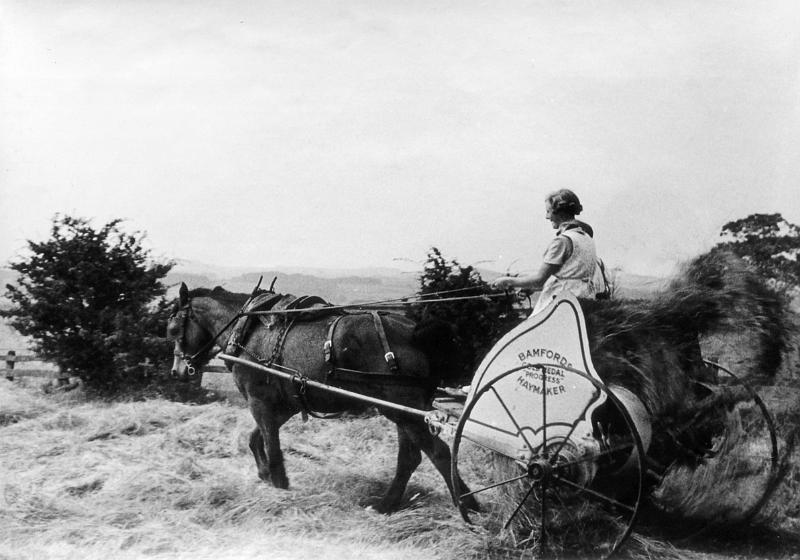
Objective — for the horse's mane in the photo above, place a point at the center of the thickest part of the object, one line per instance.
(221, 294)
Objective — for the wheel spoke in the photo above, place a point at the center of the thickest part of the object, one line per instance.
(519, 507)
(513, 420)
(543, 534)
(544, 415)
(590, 492)
(564, 507)
(541, 494)
(747, 443)
(587, 458)
(495, 485)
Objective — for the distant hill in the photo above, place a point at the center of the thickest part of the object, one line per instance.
(636, 286)
(339, 290)
(353, 286)
(341, 286)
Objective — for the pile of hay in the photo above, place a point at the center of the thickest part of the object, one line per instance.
(652, 347)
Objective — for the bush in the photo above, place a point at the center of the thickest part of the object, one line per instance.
(92, 302)
(479, 321)
(769, 243)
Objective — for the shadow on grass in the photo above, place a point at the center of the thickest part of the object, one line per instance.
(750, 542)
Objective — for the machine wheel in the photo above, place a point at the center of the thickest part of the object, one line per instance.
(567, 497)
(742, 468)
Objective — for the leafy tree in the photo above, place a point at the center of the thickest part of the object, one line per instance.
(88, 299)
(769, 243)
(479, 322)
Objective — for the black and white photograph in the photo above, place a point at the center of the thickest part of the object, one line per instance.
(382, 280)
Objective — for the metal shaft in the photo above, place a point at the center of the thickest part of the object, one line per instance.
(323, 386)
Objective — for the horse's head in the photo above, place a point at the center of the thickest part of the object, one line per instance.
(193, 340)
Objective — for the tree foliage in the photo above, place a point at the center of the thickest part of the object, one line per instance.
(767, 242)
(89, 300)
(479, 322)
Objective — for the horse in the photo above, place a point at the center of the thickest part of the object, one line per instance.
(357, 345)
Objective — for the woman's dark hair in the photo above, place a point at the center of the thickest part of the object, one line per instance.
(564, 200)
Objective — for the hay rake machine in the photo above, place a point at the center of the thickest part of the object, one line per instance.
(559, 460)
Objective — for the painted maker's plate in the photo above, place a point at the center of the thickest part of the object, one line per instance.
(516, 413)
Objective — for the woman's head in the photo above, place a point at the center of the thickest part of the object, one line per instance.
(562, 205)
(564, 201)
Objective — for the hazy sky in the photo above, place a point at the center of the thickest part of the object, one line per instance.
(348, 134)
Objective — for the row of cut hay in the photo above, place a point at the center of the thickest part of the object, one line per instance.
(759, 342)
(783, 508)
(715, 294)
(167, 480)
(737, 492)
(783, 399)
(17, 404)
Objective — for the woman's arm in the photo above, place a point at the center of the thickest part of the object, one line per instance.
(533, 281)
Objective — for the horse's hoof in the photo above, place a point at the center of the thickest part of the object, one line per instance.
(470, 503)
(384, 508)
(281, 482)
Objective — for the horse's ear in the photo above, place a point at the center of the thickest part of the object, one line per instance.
(183, 294)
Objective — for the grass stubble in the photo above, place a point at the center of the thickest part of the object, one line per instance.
(159, 479)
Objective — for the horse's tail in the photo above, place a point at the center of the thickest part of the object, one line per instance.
(439, 341)
(719, 292)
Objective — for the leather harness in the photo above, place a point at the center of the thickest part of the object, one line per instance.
(316, 306)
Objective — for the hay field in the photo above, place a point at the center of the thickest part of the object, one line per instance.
(160, 479)
(165, 480)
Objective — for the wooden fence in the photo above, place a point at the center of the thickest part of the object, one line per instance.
(215, 376)
(214, 366)
(11, 372)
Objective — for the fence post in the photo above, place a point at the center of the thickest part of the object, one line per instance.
(146, 366)
(10, 360)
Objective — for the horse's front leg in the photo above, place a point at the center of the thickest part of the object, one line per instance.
(408, 459)
(266, 445)
(277, 470)
(259, 453)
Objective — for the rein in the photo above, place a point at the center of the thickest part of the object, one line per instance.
(388, 303)
(423, 299)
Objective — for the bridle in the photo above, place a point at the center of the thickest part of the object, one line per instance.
(189, 316)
